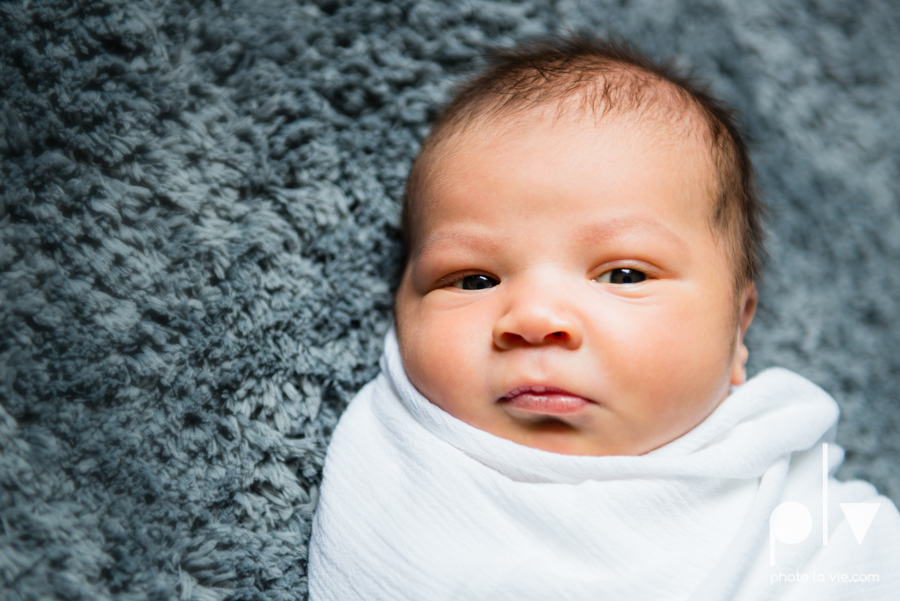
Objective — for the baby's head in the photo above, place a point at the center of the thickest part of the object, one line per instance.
(583, 242)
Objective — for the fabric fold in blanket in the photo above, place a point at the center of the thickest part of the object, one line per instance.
(416, 504)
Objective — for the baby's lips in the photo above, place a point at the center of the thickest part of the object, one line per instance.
(535, 389)
(548, 400)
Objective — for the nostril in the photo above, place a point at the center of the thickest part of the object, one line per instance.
(511, 338)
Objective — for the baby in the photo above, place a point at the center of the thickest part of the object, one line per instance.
(562, 411)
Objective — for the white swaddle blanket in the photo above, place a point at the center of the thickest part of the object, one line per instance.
(416, 504)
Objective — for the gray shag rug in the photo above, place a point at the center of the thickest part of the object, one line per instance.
(198, 238)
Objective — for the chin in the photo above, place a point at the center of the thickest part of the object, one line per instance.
(554, 435)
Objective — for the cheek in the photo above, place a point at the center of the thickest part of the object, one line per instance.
(668, 357)
(643, 349)
(441, 352)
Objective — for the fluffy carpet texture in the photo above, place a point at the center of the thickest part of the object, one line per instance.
(198, 239)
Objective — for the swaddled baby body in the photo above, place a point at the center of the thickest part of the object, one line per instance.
(562, 411)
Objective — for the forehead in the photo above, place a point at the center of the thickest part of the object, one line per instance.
(560, 151)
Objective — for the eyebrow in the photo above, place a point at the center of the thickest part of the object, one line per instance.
(468, 238)
(617, 227)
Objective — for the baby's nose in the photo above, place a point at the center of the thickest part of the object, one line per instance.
(537, 319)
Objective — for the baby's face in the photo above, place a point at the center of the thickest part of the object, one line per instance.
(565, 289)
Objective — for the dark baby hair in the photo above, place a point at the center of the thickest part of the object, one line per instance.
(602, 77)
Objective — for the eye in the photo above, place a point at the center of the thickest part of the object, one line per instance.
(621, 275)
(474, 282)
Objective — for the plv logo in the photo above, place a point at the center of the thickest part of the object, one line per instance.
(791, 522)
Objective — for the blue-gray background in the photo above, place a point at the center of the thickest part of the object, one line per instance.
(198, 211)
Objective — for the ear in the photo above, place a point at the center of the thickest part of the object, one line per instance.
(745, 317)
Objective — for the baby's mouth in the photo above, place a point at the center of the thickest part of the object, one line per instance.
(546, 400)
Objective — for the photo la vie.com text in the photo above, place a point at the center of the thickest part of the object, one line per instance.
(821, 577)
